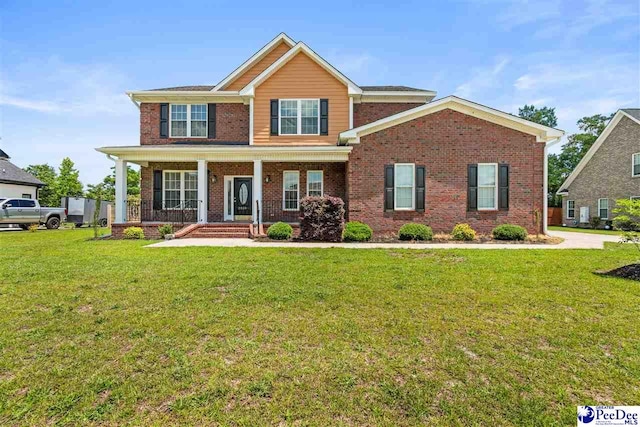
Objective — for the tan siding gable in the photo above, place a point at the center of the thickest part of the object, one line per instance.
(258, 67)
(301, 77)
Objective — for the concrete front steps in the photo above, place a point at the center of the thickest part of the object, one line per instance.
(212, 231)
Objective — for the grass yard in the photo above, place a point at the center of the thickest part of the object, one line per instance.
(108, 332)
(586, 230)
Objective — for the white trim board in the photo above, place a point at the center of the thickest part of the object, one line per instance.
(542, 133)
(264, 51)
(300, 47)
(594, 148)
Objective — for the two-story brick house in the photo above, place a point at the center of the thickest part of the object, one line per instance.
(287, 124)
(609, 171)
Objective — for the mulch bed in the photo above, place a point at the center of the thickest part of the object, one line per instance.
(631, 271)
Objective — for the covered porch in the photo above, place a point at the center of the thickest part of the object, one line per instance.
(189, 184)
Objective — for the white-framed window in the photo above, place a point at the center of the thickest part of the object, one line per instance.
(571, 209)
(315, 183)
(180, 189)
(487, 186)
(404, 181)
(635, 165)
(290, 190)
(603, 208)
(188, 120)
(299, 117)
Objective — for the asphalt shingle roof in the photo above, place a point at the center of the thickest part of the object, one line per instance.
(197, 88)
(186, 88)
(633, 112)
(390, 88)
(10, 173)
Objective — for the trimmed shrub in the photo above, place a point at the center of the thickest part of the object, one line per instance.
(509, 232)
(356, 231)
(625, 223)
(165, 229)
(463, 232)
(322, 218)
(136, 233)
(413, 231)
(280, 231)
(594, 222)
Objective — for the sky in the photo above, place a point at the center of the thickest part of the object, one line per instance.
(64, 66)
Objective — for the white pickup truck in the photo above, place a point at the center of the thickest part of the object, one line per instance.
(25, 212)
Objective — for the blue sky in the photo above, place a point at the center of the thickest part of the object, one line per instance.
(65, 65)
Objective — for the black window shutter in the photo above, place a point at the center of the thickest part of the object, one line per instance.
(388, 188)
(472, 187)
(324, 117)
(503, 187)
(164, 120)
(211, 118)
(274, 117)
(157, 190)
(420, 188)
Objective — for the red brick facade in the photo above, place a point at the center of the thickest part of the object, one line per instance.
(446, 142)
(232, 125)
(334, 180)
(370, 112)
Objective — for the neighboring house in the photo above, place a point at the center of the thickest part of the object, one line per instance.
(609, 171)
(287, 124)
(14, 182)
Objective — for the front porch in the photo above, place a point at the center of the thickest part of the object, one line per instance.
(203, 191)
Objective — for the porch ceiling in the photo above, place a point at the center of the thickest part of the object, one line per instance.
(247, 153)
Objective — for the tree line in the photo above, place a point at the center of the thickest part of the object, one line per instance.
(65, 182)
(563, 163)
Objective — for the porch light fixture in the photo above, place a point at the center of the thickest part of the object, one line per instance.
(267, 179)
(214, 179)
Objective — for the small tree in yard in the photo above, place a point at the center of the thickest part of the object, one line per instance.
(322, 218)
(98, 193)
(629, 211)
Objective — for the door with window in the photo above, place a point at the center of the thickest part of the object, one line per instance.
(242, 196)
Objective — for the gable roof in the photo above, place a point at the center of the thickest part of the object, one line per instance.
(542, 133)
(631, 113)
(300, 47)
(197, 88)
(12, 174)
(280, 38)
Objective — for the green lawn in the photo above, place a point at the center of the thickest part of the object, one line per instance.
(109, 332)
(585, 230)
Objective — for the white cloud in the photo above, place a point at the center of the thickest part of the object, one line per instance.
(527, 12)
(483, 78)
(362, 68)
(53, 86)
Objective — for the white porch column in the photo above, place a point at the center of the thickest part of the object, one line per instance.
(257, 191)
(121, 191)
(202, 191)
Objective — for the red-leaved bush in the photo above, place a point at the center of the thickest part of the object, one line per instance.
(322, 218)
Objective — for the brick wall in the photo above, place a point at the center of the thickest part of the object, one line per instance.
(334, 180)
(232, 125)
(446, 142)
(370, 112)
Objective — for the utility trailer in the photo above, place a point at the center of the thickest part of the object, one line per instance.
(80, 211)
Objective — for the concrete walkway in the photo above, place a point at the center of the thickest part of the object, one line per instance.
(572, 241)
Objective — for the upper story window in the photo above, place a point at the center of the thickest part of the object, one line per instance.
(299, 116)
(635, 165)
(487, 186)
(188, 120)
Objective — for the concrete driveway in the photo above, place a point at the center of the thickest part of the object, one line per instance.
(572, 241)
